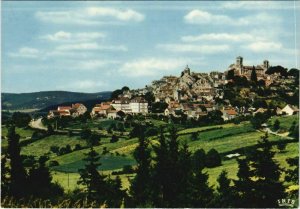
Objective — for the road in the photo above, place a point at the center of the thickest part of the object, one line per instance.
(269, 131)
(37, 124)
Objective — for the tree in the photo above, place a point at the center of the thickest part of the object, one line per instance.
(54, 149)
(40, 181)
(281, 147)
(194, 136)
(93, 140)
(50, 130)
(21, 119)
(294, 130)
(18, 175)
(253, 75)
(213, 158)
(5, 180)
(115, 94)
(125, 88)
(140, 184)
(198, 159)
(276, 125)
(225, 196)
(258, 119)
(160, 171)
(260, 186)
(114, 139)
(149, 97)
(93, 181)
(85, 133)
(201, 193)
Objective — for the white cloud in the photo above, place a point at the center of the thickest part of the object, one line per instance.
(123, 15)
(203, 49)
(91, 46)
(83, 85)
(92, 64)
(26, 52)
(264, 46)
(241, 37)
(150, 67)
(63, 36)
(90, 16)
(200, 17)
(257, 5)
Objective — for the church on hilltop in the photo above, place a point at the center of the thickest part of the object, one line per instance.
(238, 69)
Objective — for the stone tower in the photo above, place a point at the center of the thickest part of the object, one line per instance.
(266, 65)
(239, 62)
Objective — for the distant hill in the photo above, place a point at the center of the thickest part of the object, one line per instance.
(44, 99)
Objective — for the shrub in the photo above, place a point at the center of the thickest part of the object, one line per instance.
(53, 163)
(114, 139)
(77, 147)
(213, 159)
(54, 149)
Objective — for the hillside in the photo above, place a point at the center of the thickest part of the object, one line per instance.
(43, 99)
(226, 139)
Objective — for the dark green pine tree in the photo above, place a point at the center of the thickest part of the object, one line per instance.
(115, 193)
(261, 186)
(185, 170)
(201, 193)
(40, 181)
(199, 159)
(253, 75)
(140, 185)
(172, 187)
(159, 172)
(268, 188)
(276, 125)
(4, 177)
(18, 175)
(90, 177)
(225, 196)
(243, 186)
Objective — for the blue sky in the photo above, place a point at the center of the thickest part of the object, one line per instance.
(98, 46)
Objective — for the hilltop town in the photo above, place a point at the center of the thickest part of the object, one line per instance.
(238, 91)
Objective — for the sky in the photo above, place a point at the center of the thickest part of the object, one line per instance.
(86, 46)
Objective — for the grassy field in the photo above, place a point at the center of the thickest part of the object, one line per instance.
(285, 121)
(224, 138)
(42, 146)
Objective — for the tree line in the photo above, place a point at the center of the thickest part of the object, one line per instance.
(167, 175)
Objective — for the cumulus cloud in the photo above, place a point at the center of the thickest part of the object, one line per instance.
(241, 37)
(83, 85)
(123, 15)
(62, 36)
(90, 16)
(264, 46)
(91, 46)
(257, 5)
(203, 49)
(150, 67)
(26, 52)
(200, 17)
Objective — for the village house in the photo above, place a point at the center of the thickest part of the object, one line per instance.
(290, 110)
(101, 109)
(229, 114)
(75, 110)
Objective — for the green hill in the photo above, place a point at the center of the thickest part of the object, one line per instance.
(43, 99)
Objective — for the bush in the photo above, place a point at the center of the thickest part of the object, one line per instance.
(114, 139)
(54, 149)
(198, 159)
(85, 133)
(53, 163)
(21, 119)
(281, 147)
(77, 147)
(213, 159)
(194, 136)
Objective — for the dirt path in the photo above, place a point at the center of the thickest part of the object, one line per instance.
(37, 124)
